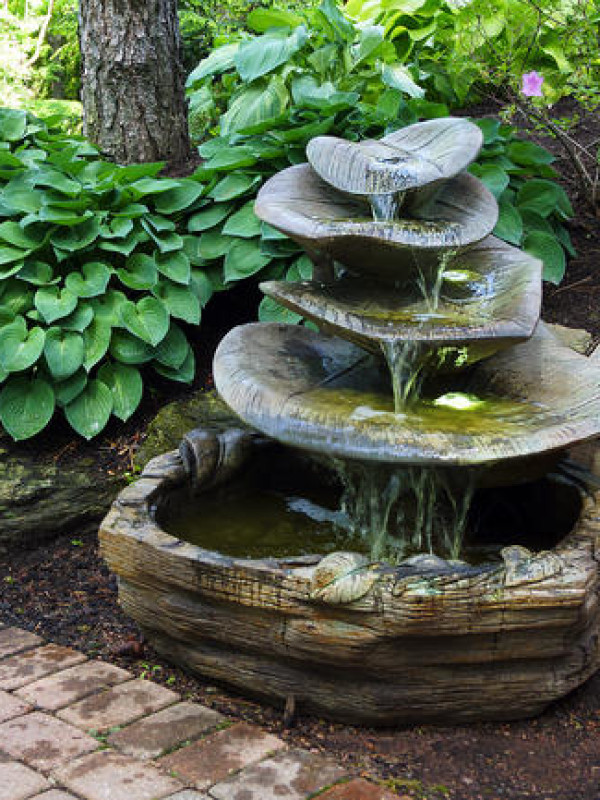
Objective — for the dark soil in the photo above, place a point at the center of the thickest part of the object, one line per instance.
(64, 592)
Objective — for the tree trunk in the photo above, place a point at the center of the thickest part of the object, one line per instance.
(134, 105)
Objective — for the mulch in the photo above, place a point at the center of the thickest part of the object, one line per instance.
(64, 592)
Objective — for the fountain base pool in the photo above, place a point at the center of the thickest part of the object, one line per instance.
(362, 642)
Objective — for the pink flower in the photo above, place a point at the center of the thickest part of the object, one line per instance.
(532, 84)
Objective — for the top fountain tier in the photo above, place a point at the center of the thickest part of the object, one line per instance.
(385, 208)
(412, 157)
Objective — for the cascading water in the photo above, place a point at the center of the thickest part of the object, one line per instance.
(385, 207)
(404, 511)
(275, 589)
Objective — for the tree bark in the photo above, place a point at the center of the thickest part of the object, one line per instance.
(133, 98)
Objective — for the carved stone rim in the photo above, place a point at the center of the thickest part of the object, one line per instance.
(133, 515)
(299, 203)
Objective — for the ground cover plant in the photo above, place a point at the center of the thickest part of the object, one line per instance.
(95, 279)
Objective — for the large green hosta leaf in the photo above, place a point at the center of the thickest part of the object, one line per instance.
(89, 412)
(148, 319)
(139, 272)
(64, 352)
(91, 281)
(54, 303)
(20, 348)
(26, 406)
(180, 301)
(244, 259)
(220, 60)
(256, 108)
(125, 384)
(174, 348)
(129, 349)
(261, 55)
(13, 123)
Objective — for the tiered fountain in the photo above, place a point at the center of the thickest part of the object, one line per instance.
(357, 541)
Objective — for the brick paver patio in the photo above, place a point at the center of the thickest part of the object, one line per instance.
(72, 728)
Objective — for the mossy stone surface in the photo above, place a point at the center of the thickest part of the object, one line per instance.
(41, 499)
(165, 432)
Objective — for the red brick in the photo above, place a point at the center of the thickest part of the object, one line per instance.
(42, 741)
(107, 775)
(17, 781)
(154, 735)
(69, 685)
(32, 665)
(212, 759)
(12, 640)
(119, 705)
(294, 775)
(11, 706)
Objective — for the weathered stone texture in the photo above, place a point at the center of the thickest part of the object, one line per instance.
(27, 667)
(294, 775)
(42, 498)
(43, 742)
(111, 776)
(70, 685)
(212, 759)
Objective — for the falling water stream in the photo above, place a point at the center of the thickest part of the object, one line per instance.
(403, 511)
(385, 207)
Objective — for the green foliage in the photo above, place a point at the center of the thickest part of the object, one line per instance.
(207, 23)
(265, 96)
(98, 277)
(44, 79)
(488, 44)
(532, 205)
(61, 60)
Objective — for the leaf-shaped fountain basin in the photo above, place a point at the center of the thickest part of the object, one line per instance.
(326, 395)
(411, 157)
(327, 223)
(488, 298)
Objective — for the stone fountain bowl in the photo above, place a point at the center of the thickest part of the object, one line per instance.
(327, 224)
(328, 396)
(414, 156)
(347, 639)
(491, 302)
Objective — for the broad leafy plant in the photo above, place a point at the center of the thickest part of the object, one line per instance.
(533, 206)
(486, 48)
(489, 44)
(266, 95)
(98, 278)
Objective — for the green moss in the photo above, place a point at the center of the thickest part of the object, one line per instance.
(176, 419)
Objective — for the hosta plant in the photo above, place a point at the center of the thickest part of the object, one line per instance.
(98, 279)
(264, 96)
